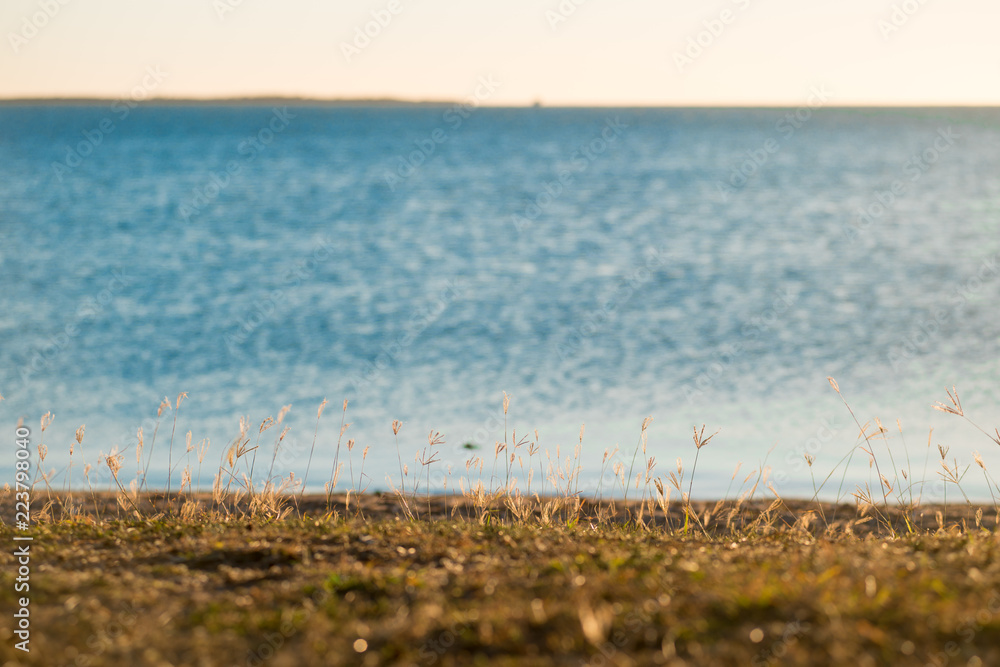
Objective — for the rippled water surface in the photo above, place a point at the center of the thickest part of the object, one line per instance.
(599, 265)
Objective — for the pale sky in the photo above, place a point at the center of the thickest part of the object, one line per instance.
(605, 52)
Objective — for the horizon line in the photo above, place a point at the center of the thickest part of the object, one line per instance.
(391, 101)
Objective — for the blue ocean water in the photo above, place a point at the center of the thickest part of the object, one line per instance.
(700, 266)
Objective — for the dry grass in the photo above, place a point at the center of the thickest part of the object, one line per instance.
(485, 487)
(640, 573)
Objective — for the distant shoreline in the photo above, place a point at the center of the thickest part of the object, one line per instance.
(225, 101)
(392, 103)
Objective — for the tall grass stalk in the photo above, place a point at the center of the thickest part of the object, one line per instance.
(336, 457)
(264, 425)
(396, 426)
(319, 414)
(170, 453)
(164, 405)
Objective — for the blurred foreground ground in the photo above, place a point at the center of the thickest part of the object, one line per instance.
(314, 589)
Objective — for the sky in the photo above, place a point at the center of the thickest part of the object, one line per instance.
(508, 52)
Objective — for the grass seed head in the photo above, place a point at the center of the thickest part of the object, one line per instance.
(956, 404)
(114, 462)
(283, 412)
(699, 437)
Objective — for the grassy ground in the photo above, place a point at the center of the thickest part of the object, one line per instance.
(254, 574)
(755, 587)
